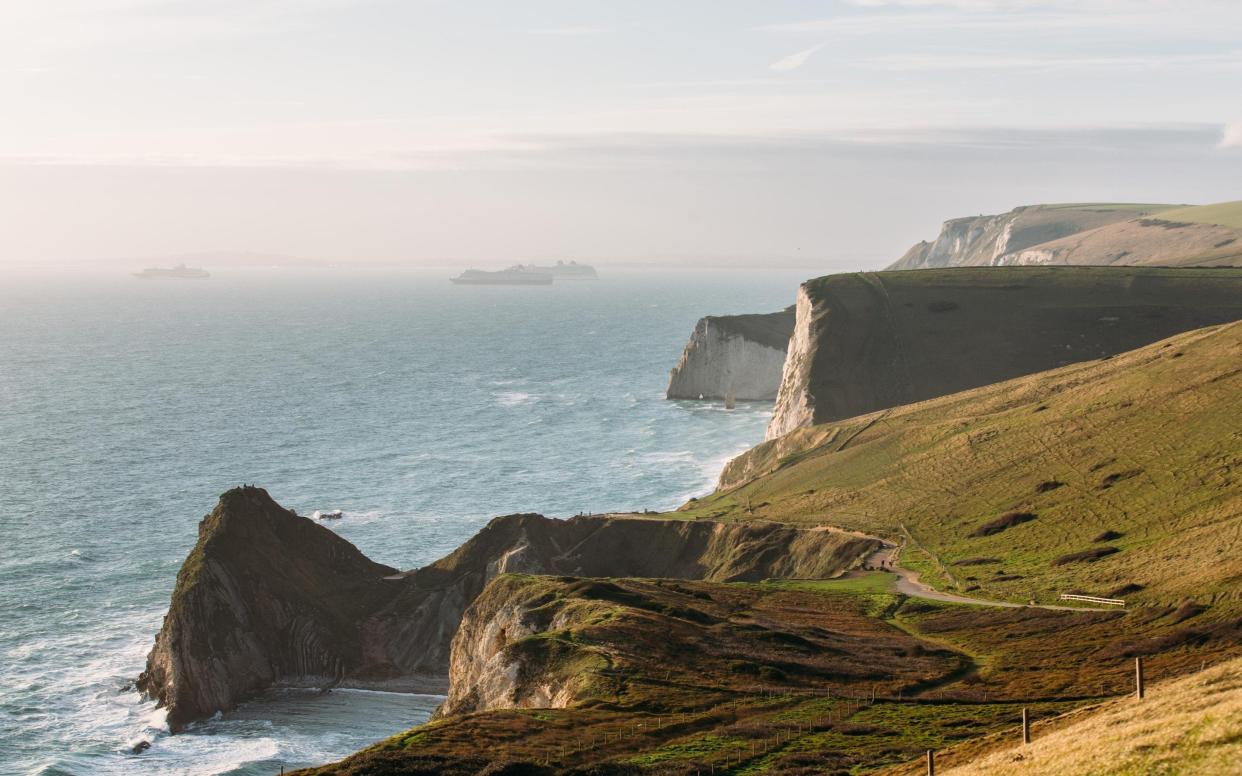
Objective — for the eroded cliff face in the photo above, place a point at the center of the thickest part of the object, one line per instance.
(738, 355)
(963, 242)
(795, 404)
(867, 342)
(267, 597)
(492, 666)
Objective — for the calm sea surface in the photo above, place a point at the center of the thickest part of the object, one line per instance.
(419, 408)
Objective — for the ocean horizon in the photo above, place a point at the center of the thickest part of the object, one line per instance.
(419, 409)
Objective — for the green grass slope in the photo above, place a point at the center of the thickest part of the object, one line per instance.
(1185, 237)
(1221, 214)
(1120, 476)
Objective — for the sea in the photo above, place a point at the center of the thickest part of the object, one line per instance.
(418, 408)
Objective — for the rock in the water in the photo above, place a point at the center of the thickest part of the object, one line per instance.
(741, 355)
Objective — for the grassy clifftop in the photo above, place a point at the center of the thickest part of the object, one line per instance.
(1117, 477)
(1221, 214)
(868, 341)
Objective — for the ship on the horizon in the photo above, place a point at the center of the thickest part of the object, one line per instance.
(517, 275)
(570, 269)
(179, 271)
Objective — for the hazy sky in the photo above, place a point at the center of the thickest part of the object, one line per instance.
(833, 132)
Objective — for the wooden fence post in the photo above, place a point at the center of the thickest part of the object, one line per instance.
(1138, 678)
(931, 763)
(1026, 726)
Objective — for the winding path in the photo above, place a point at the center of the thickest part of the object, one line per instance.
(907, 583)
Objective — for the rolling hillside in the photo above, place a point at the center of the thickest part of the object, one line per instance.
(1117, 477)
(977, 241)
(1132, 235)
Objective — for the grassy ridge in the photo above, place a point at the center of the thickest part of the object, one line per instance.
(1140, 453)
(1221, 214)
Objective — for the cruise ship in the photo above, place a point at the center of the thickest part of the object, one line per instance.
(569, 270)
(179, 271)
(517, 275)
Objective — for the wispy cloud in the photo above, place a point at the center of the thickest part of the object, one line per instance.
(874, 24)
(1232, 137)
(568, 31)
(991, 61)
(794, 61)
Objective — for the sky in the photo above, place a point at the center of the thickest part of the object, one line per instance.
(832, 133)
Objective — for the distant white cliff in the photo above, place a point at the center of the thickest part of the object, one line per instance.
(1004, 239)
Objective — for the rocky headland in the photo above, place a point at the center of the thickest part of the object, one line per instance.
(269, 598)
(738, 356)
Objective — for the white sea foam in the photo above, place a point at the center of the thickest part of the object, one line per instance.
(514, 398)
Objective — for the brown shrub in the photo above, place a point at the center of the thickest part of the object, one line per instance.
(1187, 610)
(975, 561)
(1086, 556)
(1004, 522)
(1117, 477)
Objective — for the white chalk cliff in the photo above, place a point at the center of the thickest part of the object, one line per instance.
(737, 355)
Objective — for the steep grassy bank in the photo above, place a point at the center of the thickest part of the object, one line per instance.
(1189, 726)
(1111, 477)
